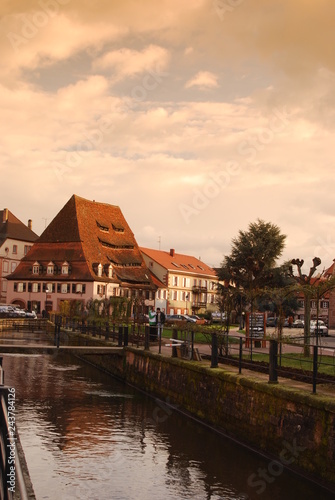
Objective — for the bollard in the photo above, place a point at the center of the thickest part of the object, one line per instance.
(273, 362)
(125, 338)
(214, 357)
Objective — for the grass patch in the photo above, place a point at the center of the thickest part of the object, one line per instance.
(326, 364)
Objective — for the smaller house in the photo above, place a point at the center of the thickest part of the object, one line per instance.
(189, 285)
(16, 239)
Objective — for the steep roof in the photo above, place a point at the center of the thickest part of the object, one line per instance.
(86, 233)
(11, 227)
(178, 262)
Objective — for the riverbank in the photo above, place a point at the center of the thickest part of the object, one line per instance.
(294, 428)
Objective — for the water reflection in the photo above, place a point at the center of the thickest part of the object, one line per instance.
(88, 436)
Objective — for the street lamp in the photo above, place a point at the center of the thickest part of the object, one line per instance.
(46, 298)
(187, 296)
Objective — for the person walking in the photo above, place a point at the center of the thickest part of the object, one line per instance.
(160, 320)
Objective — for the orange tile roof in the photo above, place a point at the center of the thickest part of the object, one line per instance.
(86, 233)
(179, 262)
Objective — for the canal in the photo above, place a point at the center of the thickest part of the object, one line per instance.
(88, 436)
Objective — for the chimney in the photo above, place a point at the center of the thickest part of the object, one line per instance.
(30, 224)
(5, 215)
(172, 252)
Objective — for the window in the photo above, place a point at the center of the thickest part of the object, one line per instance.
(26, 249)
(5, 266)
(36, 268)
(50, 268)
(20, 287)
(13, 266)
(100, 270)
(175, 295)
(35, 287)
(101, 289)
(15, 249)
(175, 281)
(324, 304)
(301, 303)
(110, 271)
(79, 288)
(49, 288)
(313, 304)
(65, 268)
(64, 288)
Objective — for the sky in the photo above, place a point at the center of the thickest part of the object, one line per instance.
(196, 117)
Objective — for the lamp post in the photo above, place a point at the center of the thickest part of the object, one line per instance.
(46, 298)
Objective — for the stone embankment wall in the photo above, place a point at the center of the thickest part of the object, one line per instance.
(293, 427)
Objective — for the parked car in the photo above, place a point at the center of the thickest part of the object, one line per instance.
(19, 313)
(298, 323)
(198, 320)
(175, 318)
(271, 321)
(318, 326)
(31, 314)
(218, 317)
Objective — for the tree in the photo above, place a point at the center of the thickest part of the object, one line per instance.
(311, 287)
(251, 265)
(253, 256)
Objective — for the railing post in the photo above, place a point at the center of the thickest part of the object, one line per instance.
(147, 338)
(174, 336)
(240, 352)
(315, 367)
(273, 361)
(214, 357)
(120, 336)
(125, 332)
(107, 331)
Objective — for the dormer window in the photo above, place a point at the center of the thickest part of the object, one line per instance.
(100, 269)
(118, 228)
(65, 268)
(110, 271)
(50, 268)
(36, 268)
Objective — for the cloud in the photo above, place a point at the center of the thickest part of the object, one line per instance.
(127, 63)
(204, 80)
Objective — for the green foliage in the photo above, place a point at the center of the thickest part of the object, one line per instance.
(253, 256)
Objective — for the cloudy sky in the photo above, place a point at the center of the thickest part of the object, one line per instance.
(196, 117)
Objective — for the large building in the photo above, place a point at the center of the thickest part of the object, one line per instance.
(189, 285)
(87, 252)
(16, 239)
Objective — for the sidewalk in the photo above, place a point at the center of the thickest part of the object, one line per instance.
(321, 389)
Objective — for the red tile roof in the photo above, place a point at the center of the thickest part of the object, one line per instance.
(85, 233)
(173, 261)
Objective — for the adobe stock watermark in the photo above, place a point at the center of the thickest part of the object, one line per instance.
(32, 23)
(266, 476)
(222, 7)
(211, 189)
(260, 140)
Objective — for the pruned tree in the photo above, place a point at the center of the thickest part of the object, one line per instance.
(311, 287)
